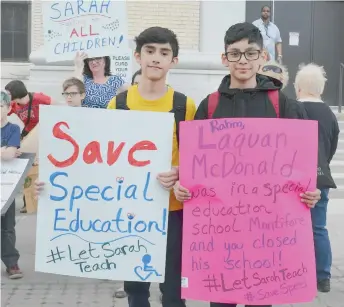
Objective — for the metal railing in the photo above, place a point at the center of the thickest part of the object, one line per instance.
(341, 86)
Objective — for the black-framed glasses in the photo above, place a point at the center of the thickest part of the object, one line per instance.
(70, 94)
(235, 56)
(97, 59)
(273, 68)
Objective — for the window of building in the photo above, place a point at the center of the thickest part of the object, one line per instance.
(15, 31)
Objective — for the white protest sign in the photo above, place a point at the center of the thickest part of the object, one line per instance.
(103, 214)
(97, 27)
(121, 65)
(12, 173)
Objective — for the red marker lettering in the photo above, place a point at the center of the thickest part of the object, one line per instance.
(143, 145)
(59, 134)
(92, 153)
(113, 154)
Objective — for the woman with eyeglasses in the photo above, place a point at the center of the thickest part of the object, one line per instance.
(100, 85)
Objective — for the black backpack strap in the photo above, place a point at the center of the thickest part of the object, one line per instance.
(24, 133)
(121, 101)
(179, 110)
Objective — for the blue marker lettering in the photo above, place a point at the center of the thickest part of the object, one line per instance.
(57, 218)
(69, 8)
(94, 225)
(137, 228)
(53, 8)
(130, 192)
(73, 47)
(89, 44)
(103, 194)
(82, 225)
(74, 224)
(93, 5)
(97, 42)
(75, 195)
(146, 188)
(105, 4)
(55, 49)
(112, 42)
(80, 8)
(106, 227)
(52, 182)
(118, 220)
(92, 189)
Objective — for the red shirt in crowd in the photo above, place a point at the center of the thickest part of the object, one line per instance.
(21, 110)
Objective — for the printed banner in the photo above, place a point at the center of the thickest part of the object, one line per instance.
(13, 175)
(103, 214)
(97, 27)
(248, 237)
(121, 65)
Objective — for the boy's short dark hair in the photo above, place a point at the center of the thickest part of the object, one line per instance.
(157, 35)
(137, 73)
(17, 89)
(244, 30)
(74, 82)
(264, 6)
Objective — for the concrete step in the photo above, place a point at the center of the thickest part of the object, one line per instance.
(339, 155)
(338, 178)
(337, 193)
(337, 166)
(340, 144)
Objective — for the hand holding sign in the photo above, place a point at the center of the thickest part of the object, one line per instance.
(102, 208)
(248, 238)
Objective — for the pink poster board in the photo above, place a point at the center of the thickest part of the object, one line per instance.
(247, 236)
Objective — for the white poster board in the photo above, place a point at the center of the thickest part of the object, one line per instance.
(106, 219)
(13, 175)
(294, 38)
(122, 66)
(97, 27)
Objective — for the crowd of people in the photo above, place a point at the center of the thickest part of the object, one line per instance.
(157, 52)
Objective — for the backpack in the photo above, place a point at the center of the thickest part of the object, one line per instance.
(179, 107)
(213, 101)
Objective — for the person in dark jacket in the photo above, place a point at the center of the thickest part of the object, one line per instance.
(309, 86)
(245, 93)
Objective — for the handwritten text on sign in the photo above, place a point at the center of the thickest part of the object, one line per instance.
(103, 213)
(121, 65)
(97, 27)
(248, 239)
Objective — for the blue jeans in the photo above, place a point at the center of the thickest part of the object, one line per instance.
(322, 245)
(9, 253)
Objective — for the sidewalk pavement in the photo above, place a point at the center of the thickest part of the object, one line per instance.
(38, 289)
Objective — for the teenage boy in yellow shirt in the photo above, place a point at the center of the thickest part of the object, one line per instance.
(157, 52)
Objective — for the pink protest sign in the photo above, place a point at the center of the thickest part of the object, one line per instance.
(247, 236)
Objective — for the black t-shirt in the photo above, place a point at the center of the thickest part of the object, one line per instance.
(328, 132)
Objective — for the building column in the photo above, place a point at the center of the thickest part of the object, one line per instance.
(215, 18)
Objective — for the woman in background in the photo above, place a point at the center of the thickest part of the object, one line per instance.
(309, 85)
(100, 85)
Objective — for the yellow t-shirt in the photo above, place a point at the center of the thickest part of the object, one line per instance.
(164, 104)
